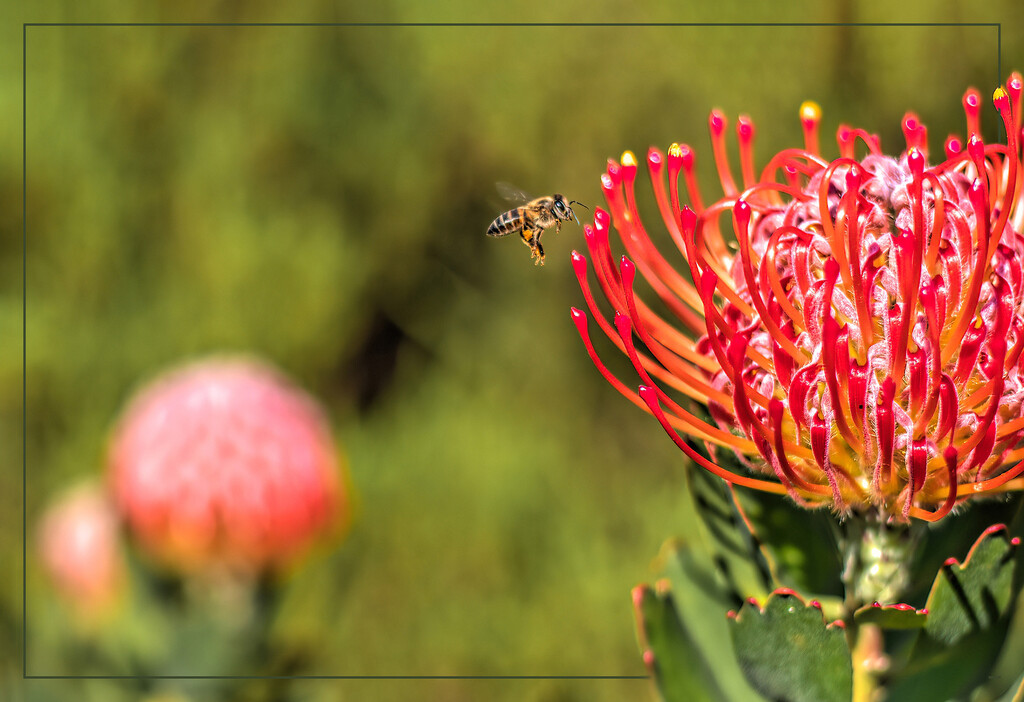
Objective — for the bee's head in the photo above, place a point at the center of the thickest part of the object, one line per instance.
(563, 209)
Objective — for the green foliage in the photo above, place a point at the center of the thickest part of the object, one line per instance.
(951, 642)
(702, 599)
(973, 596)
(800, 544)
(694, 593)
(788, 651)
(1015, 693)
(969, 611)
(953, 538)
(891, 617)
(730, 565)
(736, 553)
(670, 650)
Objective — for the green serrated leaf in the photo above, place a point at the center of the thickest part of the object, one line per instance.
(669, 651)
(891, 617)
(975, 595)
(969, 610)
(702, 605)
(787, 651)
(954, 536)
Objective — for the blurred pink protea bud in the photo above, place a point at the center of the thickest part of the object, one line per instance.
(859, 346)
(80, 550)
(225, 464)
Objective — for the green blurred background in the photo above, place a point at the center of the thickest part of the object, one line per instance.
(319, 196)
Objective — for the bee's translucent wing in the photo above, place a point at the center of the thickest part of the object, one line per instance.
(512, 193)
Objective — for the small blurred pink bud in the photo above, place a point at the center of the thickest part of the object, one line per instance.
(78, 544)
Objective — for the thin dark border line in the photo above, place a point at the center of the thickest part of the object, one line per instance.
(513, 24)
(335, 677)
(24, 350)
(25, 248)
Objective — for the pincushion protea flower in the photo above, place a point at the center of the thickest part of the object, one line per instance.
(859, 347)
(225, 464)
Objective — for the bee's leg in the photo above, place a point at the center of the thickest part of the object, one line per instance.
(538, 252)
(528, 238)
(531, 237)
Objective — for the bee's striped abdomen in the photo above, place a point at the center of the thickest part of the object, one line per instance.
(506, 223)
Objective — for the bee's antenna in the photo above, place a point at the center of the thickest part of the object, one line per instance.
(576, 202)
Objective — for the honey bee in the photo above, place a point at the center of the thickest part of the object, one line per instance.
(532, 218)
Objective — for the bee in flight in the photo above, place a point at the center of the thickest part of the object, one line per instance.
(532, 218)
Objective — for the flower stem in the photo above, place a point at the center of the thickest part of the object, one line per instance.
(876, 555)
(869, 660)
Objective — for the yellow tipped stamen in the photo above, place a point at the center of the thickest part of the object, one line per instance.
(810, 111)
(628, 159)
